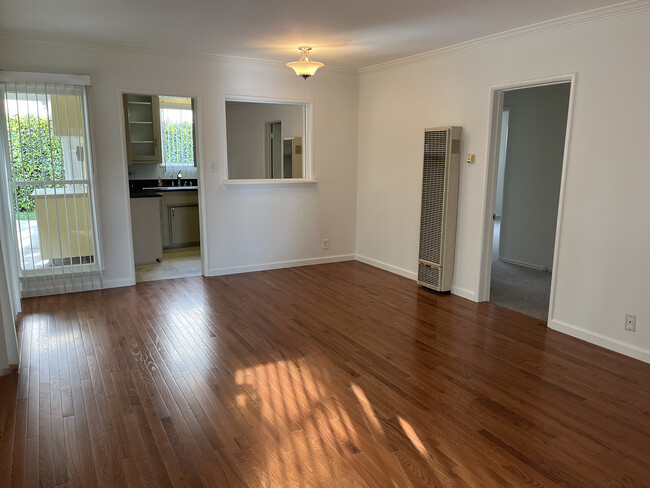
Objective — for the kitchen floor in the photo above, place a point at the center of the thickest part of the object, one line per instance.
(176, 263)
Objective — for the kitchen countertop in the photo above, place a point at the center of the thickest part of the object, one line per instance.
(171, 188)
(150, 189)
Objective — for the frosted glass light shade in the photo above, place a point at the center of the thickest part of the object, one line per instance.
(305, 67)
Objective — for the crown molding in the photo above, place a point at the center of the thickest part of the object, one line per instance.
(589, 16)
(135, 48)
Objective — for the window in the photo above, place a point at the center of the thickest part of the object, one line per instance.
(160, 130)
(50, 183)
(177, 127)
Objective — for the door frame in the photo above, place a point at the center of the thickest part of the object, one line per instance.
(200, 172)
(268, 152)
(491, 171)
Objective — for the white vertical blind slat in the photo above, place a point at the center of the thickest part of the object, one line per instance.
(45, 198)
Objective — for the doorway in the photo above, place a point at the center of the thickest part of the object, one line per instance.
(160, 133)
(273, 149)
(529, 136)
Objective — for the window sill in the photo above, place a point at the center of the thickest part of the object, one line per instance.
(270, 182)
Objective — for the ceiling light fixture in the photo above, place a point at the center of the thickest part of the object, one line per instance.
(305, 67)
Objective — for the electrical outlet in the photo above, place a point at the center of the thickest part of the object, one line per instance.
(326, 244)
(213, 166)
(630, 322)
(470, 158)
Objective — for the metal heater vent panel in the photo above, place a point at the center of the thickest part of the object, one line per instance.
(433, 191)
(428, 275)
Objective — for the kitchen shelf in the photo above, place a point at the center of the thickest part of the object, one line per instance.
(142, 128)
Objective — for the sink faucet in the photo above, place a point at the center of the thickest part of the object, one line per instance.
(179, 176)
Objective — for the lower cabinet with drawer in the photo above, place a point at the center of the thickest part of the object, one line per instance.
(180, 219)
(183, 225)
(147, 245)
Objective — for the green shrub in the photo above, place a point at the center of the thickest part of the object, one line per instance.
(35, 155)
(178, 143)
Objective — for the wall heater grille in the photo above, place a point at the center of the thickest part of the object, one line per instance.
(439, 207)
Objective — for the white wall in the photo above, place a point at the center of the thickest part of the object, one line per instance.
(8, 343)
(9, 354)
(601, 272)
(9, 294)
(533, 171)
(246, 134)
(246, 227)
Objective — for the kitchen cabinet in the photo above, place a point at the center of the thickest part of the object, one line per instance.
(184, 225)
(180, 218)
(142, 127)
(145, 226)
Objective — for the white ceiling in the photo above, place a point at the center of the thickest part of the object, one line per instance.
(344, 33)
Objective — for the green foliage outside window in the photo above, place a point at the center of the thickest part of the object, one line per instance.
(35, 155)
(178, 143)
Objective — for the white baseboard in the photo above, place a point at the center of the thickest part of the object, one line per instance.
(464, 293)
(387, 267)
(278, 265)
(118, 283)
(601, 340)
(527, 265)
(461, 292)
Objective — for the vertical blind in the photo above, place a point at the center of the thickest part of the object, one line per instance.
(50, 184)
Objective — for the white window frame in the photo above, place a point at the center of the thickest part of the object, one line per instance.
(308, 177)
(65, 79)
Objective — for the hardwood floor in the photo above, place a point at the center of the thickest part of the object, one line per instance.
(338, 375)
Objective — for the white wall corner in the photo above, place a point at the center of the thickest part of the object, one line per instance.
(118, 283)
(464, 293)
(601, 340)
(387, 267)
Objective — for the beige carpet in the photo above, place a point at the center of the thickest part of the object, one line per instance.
(519, 288)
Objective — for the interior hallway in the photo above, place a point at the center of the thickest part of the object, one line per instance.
(518, 288)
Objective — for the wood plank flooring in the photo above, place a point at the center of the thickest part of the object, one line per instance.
(338, 375)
